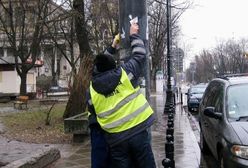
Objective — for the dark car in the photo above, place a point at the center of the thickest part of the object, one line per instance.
(195, 94)
(57, 91)
(223, 119)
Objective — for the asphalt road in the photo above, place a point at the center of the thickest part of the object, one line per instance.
(208, 161)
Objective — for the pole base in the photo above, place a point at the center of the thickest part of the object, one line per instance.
(169, 104)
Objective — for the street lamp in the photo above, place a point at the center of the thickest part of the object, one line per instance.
(170, 103)
(192, 70)
(187, 48)
(178, 55)
(169, 94)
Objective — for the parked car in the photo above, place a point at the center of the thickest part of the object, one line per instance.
(195, 94)
(57, 91)
(223, 119)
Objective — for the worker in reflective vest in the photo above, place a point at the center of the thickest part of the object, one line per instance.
(119, 107)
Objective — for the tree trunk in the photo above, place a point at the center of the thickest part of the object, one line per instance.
(23, 87)
(77, 103)
(58, 70)
(54, 82)
(153, 80)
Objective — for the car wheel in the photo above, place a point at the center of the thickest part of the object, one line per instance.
(203, 144)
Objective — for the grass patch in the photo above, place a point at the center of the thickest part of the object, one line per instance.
(31, 126)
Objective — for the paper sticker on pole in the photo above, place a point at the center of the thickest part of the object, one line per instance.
(133, 20)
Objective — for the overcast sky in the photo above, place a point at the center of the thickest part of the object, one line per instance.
(211, 21)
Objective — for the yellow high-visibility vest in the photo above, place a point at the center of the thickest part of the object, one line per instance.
(121, 110)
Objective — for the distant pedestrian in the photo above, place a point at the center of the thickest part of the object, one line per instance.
(120, 108)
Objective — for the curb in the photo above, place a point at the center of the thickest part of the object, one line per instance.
(40, 159)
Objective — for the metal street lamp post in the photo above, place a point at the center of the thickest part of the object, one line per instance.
(193, 69)
(169, 94)
(169, 104)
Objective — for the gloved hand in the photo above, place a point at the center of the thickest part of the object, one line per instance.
(116, 40)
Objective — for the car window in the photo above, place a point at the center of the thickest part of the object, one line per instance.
(237, 102)
(197, 90)
(207, 95)
(218, 98)
(210, 97)
(214, 96)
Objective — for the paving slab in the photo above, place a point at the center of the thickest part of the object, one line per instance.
(187, 153)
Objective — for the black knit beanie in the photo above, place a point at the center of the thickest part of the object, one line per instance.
(104, 62)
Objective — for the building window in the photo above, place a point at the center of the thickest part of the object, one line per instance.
(10, 52)
(1, 52)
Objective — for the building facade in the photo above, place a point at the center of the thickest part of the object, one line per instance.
(49, 60)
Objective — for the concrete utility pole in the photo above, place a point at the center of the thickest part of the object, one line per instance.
(134, 9)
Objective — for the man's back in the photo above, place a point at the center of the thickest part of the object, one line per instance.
(121, 109)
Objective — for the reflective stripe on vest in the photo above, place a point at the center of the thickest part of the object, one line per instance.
(123, 109)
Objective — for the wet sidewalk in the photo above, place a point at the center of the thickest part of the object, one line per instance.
(187, 153)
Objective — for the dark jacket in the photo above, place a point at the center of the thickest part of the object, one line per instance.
(106, 82)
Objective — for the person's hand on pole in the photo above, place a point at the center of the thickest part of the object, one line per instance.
(116, 40)
(134, 28)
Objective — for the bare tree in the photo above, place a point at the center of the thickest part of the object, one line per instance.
(86, 24)
(204, 63)
(157, 31)
(104, 20)
(22, 23)
(226, 58)
(76, 103)
(60, 30)
(157, 36)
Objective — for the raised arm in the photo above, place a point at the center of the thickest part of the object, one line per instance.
(135, 64)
